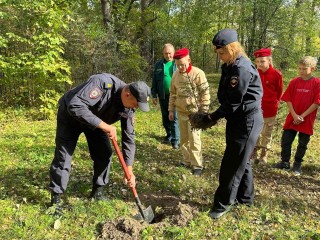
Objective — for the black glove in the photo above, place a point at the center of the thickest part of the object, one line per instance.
(201, 120)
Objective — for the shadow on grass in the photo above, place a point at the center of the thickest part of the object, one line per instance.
(286, 190)
(25, 184)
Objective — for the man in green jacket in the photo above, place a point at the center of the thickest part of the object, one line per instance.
(162, 74)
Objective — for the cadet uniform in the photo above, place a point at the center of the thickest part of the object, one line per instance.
(189, 93)
(272, 84)
(81, 110)
(239, 95)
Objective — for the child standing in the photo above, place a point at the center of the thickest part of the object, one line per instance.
(189, 93)
(272, 84)
(303, 98)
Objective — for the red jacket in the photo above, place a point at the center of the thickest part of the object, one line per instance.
(272, 84)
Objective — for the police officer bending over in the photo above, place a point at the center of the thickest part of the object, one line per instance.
(91, 108)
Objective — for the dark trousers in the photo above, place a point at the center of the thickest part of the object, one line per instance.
(171, 127)
(287, 139)
(236, 178)
(67, 134)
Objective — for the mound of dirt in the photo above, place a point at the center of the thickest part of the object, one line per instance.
(122, 228)
(180, 215)
(167, 213)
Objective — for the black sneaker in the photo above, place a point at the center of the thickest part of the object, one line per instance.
(214, 214)
(166, 140)
(283, 165)
(197, 172)
(296, 168)
(175, 145)
(97, 194)
(56, 203)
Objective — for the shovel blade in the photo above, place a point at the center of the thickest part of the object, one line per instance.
(145, 214)
(148, 214)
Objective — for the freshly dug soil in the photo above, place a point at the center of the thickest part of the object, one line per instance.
(169, 211)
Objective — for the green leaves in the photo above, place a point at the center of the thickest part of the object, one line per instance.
(32, 47)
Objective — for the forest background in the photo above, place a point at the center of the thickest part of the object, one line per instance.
(47, 47)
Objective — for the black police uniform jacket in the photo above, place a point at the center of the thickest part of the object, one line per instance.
(240, 90)
(100, 99)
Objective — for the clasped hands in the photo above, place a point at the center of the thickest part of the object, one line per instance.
(297, 120)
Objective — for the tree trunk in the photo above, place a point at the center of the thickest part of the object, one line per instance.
(308, 37)
(252, 36)
(106, 8)
(143, 30)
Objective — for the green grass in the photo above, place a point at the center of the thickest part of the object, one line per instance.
(286, 206)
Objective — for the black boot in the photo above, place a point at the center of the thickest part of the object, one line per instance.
(97, 193)
(297, 168)
(56, 203)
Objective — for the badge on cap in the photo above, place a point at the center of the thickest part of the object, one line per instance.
(95, 93)
(234, 81)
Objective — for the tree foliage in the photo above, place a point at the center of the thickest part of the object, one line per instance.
(32, 48)
(46, 45)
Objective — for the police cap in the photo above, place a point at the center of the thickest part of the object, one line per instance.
(141, 91)
(225, 37)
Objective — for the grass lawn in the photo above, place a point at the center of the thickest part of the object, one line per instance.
(286, 206)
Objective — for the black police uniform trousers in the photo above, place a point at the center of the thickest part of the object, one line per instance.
(67, 134)
(236, 178)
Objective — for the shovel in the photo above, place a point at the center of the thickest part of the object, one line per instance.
(146, 214)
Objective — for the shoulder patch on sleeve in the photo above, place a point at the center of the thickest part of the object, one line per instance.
(108, 85)
(234, 81)
(95, 92)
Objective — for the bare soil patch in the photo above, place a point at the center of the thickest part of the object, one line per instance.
(168, 210)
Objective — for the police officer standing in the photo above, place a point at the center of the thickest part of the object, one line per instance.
(239, 95)
(91, 108)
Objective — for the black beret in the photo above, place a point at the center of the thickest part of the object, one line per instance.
(225, 37)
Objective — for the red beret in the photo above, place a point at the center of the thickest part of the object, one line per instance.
(263, 52)
(181, 53)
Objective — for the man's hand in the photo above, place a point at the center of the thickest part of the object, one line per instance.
(110, 130)
(201, 120)
(155, 101)
(132, 180)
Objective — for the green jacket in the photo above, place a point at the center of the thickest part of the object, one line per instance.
(157, 89)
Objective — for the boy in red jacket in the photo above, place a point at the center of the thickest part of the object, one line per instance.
(303, 98)
(272, 84)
